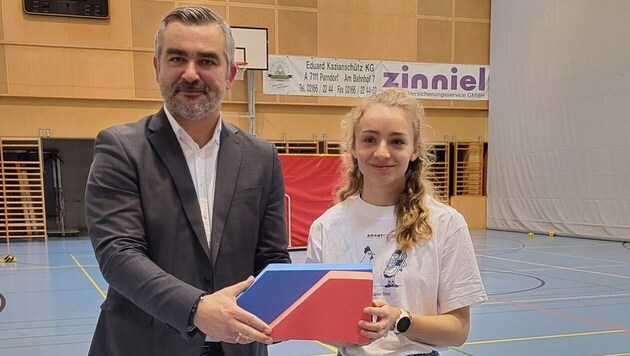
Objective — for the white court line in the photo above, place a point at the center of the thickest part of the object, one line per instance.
(541, 247)
(539, 269)
(622, 263)
(544, 337)
(557, 299)
(556, 267)
(547, 269)
(528, 270)
(514, 248)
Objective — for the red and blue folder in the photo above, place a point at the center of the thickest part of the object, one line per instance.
(312, 301)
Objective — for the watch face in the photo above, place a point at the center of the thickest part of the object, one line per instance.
(403, 324)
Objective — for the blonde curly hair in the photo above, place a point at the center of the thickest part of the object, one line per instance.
(412, 214)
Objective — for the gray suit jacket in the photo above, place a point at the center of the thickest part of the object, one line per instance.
(145, 224)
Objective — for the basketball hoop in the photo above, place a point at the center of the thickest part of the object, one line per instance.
(240, 70)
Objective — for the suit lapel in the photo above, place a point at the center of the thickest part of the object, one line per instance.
(228, 166)
(164, 142)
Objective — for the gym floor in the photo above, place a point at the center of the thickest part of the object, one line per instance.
(548, 296)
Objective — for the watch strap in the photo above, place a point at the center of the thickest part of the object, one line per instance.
(194, 310)
(403, 322)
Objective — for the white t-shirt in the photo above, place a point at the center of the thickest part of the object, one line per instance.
(432, 278)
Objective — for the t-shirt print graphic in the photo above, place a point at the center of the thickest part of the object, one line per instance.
(395, 265)
(367, 254)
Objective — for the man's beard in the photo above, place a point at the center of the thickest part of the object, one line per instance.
(190, 111)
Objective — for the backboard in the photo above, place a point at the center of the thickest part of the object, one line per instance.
(251, 46)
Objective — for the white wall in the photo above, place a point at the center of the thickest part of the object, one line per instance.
(559, 118)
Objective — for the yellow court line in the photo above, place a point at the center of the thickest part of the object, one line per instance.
(460, 351)
(100, 291)
(557, 336)
(329, 347)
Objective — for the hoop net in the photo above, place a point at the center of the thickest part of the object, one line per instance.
(240, 70)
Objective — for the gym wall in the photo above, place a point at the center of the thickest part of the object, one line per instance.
(76, 76)
(73, 77)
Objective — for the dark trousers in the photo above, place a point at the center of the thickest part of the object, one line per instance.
(211, 349)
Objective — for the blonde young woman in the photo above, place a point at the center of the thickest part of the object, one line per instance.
(426, 276)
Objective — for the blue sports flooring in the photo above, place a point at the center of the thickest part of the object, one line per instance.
(548, 296)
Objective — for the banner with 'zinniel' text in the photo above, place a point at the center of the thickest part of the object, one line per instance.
(308, 76)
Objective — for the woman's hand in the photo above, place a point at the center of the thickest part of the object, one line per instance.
(385, 317)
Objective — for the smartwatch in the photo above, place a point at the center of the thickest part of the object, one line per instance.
(403, 322)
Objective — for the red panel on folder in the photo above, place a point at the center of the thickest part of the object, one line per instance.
(329, 311)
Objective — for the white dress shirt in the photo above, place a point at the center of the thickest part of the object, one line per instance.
(202, 164)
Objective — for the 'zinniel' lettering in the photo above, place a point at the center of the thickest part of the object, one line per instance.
(439, 81)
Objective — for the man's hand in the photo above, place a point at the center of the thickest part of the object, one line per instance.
(219, 317)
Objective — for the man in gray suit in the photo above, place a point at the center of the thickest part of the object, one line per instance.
(183, 208)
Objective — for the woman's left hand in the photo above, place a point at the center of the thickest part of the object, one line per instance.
(386, 316)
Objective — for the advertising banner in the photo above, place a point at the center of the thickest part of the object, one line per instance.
(308, 76)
